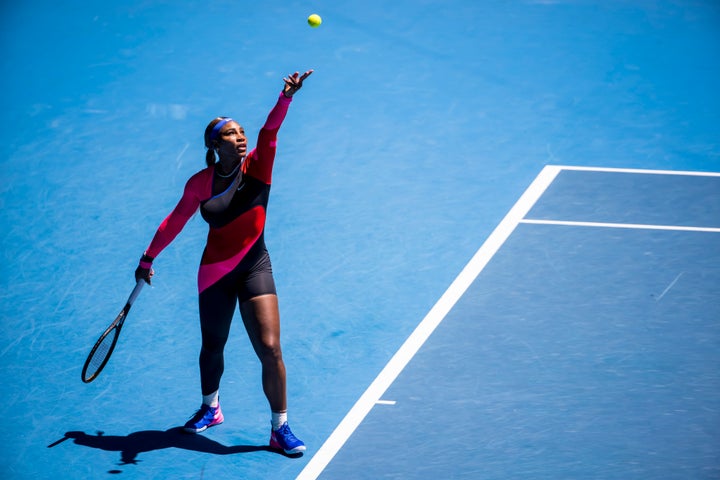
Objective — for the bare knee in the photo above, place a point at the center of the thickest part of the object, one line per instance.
(270, 352)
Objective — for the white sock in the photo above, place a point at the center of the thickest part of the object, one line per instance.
(213, 399)
(278, 419)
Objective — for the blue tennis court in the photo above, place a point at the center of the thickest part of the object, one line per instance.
(494, 226)
(574, 345)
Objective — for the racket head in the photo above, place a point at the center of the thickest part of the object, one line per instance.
(101, 351)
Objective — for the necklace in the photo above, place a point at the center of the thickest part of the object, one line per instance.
(229, 174)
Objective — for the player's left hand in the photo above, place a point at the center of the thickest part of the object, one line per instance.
(294, 82)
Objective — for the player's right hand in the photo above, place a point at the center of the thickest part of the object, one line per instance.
(144, 270)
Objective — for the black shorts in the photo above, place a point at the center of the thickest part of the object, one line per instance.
(251, 278)
(256, 281)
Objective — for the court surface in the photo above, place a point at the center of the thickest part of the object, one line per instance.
(493, 225)
(579, 342)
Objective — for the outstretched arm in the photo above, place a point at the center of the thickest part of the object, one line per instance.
(260, 162)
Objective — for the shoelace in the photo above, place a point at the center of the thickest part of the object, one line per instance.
(198, 416)
(286, 433)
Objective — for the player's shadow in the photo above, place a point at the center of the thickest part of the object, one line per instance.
(130, 446)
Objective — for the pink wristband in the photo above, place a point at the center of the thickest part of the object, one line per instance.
(146, 265)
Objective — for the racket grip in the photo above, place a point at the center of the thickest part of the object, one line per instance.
(136, 291)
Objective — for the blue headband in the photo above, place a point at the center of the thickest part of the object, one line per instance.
(218, 126)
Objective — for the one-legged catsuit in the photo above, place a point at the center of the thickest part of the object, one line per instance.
(235, 265)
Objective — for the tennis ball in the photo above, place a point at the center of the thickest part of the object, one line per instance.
(314, 20)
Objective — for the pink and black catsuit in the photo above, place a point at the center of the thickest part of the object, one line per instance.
(235, 265)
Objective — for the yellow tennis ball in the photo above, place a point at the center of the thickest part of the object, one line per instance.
(314, 20)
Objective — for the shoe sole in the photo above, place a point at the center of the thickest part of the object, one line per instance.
(198, 430)
(292, 451)
(298, 449)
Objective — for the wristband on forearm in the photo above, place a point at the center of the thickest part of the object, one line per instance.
(146, 261)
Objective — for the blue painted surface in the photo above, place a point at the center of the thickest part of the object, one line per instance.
(423, 123)
(577, 353)
(632, 198)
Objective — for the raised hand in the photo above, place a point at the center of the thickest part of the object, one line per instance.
(294, 82)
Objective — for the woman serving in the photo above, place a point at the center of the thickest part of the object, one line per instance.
(232, 194)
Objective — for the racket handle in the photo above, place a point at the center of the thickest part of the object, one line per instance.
(136, 291)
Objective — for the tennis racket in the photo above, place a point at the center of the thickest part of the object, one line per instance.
(100, 353)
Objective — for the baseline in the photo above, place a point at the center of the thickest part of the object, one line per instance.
(638, 170)
(635, 226)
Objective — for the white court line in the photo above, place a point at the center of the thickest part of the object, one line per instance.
(436, 315)
(638, 170)
(636, 226)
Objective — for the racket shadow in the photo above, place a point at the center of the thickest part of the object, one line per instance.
(133, 444)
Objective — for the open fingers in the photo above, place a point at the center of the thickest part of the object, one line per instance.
(296, 78)
(294, 82)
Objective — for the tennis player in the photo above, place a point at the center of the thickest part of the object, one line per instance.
(232, 195)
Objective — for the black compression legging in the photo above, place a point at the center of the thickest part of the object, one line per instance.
(217, 303)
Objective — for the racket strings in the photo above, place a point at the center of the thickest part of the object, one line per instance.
(100, 355)
(103, 348)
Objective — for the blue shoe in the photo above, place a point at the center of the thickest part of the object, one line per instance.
(206, 417)
(283, 439)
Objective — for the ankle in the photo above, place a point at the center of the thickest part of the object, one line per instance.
(278, 419)
(212, 400)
